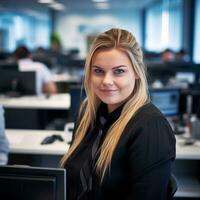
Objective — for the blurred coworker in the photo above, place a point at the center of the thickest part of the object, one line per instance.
(44, 78)
(4, 146)
(182, 56)
(167, 55)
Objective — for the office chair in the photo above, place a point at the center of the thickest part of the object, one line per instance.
(77, 95)
(172, 187)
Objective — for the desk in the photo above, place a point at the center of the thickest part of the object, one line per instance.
(64, 81)
(28, 142)
(35, 112)
(186, 169)
(57, 101)
(25, 147)
(187, 152)
(66, 77)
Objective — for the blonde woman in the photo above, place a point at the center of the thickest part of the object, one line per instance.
(123, 146)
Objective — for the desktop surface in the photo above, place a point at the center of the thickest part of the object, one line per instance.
(32, 183)
(57, 101)
(29, 142)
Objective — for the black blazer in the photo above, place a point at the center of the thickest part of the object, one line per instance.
(141, 164)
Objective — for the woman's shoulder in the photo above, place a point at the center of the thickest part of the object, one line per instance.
(148, 112)
(149, 139)
(148, 118)
(150, 131)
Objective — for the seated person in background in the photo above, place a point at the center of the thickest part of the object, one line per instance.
(182, 56)
(167, 55)
(4, 146)
(44, 79)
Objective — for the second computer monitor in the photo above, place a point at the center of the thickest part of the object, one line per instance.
(17, 82)
(167, 100)
(32, 183)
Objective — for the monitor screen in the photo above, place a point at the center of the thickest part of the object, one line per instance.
(16, 82)
(32, 183)
(167, 100)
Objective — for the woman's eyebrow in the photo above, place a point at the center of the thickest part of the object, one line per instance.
(116, 67)
(95, 66)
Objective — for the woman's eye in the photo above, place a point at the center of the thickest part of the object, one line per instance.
(119, 71)
(98, 71)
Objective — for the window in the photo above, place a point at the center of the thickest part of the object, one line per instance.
(163, 26)
(21, 28)
(197, 31)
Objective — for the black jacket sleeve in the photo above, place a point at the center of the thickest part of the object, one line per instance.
(151, 151)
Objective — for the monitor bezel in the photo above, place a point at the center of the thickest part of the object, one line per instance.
(42, 172)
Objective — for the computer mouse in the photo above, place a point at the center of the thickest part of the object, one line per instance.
(48, 140)
(51, 139)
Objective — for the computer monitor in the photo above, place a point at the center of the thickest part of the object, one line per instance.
(32, 183)
(8, 65)
(167, 100)
(17, 83)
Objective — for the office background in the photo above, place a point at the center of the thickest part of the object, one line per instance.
(157, 24)
(178, 23)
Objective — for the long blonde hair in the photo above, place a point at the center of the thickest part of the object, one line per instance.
(125, 41)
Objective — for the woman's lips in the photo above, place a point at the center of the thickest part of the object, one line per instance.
(109, 91)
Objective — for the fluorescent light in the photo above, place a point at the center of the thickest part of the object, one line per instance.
(45, 1)
(99, 1)
(57, 6)
(103, 5)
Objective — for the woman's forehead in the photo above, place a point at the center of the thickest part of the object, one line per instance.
(113, 57)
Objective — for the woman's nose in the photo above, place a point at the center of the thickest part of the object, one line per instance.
(108, 79)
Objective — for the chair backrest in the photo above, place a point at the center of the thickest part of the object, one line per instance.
(172, 187)
(77, 95)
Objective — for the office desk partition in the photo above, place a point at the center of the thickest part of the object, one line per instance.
(35, 112)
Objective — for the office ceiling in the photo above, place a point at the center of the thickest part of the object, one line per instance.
(73, 4)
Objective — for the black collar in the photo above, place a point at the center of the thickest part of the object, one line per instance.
(104, 117)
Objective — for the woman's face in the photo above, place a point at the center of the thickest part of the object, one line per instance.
(112, 77)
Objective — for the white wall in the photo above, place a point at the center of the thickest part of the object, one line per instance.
(74, 27)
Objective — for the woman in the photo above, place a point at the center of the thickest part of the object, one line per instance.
(123, 146)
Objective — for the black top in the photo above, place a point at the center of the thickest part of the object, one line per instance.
(141, 163)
